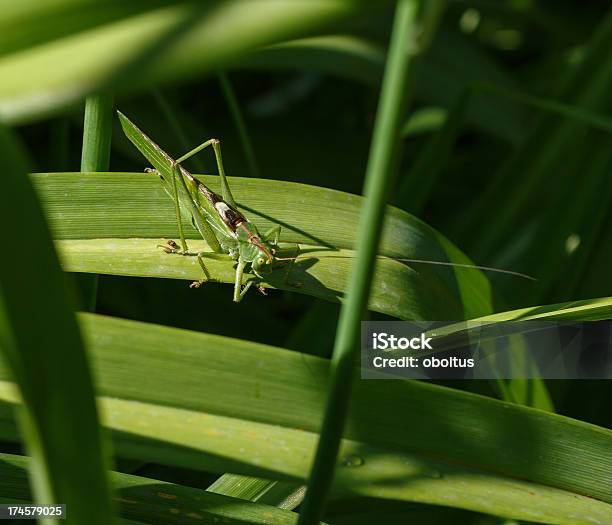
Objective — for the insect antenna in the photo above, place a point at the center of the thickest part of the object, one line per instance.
(427, 261)
(463, 265)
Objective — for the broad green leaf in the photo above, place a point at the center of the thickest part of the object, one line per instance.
(214, 403)
(41, 343)
(112, 223)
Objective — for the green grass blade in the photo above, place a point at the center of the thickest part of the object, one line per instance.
(151, 501)
(33, 86)
(378, 180)
(127, 206)
(42, 345)
(27, 24)
(347, 56)
(280, 494)
(97, 133)
(585, 310)
(399, 289)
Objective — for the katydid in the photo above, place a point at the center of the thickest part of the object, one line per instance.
(218, 220)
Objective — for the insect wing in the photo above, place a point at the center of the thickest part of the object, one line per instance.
(192, 207)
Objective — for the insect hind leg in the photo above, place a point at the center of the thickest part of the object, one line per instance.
(216, 144)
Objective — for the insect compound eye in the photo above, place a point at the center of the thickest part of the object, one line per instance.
(260, 261)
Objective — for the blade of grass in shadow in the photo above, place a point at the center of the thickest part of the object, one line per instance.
(27, 24)
(148, 48)
(95, 156)
(347, 56)
(385, 142)
(236, 113)
(60, 429)
(155, 501)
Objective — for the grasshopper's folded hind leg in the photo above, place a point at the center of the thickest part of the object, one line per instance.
(226, 193)
(225, 189)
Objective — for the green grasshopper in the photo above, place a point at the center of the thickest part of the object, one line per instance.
(217, 218)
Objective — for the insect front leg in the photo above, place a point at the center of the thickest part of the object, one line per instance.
(171, 246)
(200, 282)
(238, 290)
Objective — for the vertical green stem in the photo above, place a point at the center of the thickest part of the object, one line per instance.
(97, 133)
(232, 102)
(95, 156)
(383, 150)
